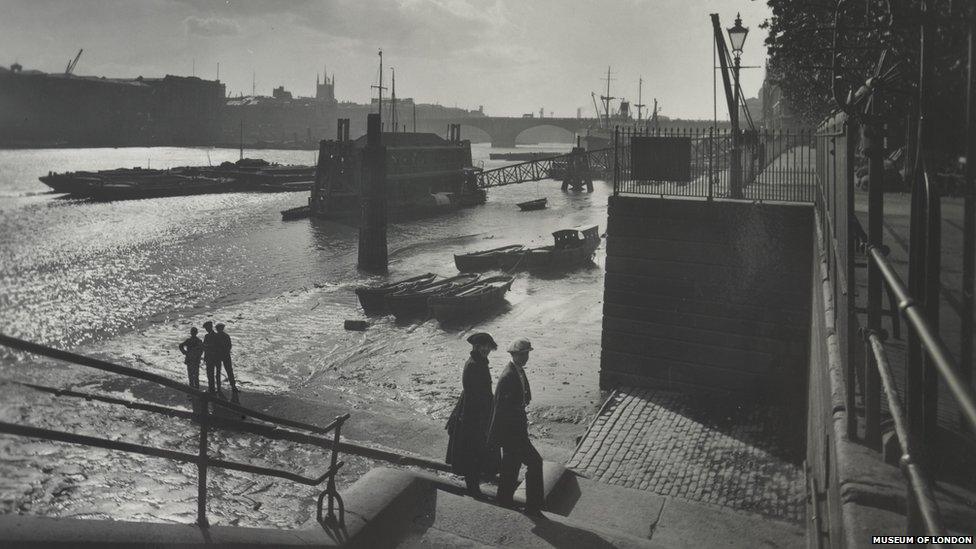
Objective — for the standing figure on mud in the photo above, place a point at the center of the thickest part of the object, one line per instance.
(212, 355)
(225, 345)
(192, 349)
(510, 430)
(467, 449)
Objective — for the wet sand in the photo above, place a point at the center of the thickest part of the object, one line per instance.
(292, 357)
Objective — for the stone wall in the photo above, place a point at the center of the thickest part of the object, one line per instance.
(707, 296)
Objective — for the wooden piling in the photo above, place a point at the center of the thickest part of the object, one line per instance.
(372, 193)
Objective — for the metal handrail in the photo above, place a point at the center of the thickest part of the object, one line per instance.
(921, 485)
(82, 360)
(931, 341)
(201, 414)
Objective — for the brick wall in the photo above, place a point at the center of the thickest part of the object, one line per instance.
(707, 296)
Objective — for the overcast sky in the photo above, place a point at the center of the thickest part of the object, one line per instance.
(512, 56)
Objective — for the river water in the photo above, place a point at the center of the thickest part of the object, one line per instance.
(125, 280)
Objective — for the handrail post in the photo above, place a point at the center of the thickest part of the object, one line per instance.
(203, 413)
(711, 160)
(330, 487)
(969, 218)
(873, 146)
(616, 166)
(849, 224)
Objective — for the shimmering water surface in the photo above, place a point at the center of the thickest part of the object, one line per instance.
(124, 281)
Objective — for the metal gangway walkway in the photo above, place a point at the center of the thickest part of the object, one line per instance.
(553, 167)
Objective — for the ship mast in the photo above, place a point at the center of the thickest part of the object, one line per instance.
(607, 98)
(393, 112)
(640, 106)
(380, 88)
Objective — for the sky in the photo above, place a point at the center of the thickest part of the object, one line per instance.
(511, 56)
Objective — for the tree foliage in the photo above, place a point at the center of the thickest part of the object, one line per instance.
(800, 43)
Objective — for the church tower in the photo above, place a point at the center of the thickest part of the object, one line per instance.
(325, 91)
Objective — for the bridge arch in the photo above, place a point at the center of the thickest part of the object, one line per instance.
(566, 135)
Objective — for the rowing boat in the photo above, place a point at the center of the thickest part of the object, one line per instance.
(412, 302)
(474, 299)
(484, 260)
(373, 298)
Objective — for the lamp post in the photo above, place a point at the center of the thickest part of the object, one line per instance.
(737, 38)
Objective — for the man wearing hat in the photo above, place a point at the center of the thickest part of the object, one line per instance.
(225, 345)
(467, 450)
(212, 356)
(510, 430)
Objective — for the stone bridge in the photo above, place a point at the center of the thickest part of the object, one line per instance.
(503, 130)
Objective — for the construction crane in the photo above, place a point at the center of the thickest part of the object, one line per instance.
(73, 63)
(597, 109)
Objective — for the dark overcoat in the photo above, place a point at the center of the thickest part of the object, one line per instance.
(468, 425)
(509, 424)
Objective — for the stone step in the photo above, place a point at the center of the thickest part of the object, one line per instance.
(397, 508)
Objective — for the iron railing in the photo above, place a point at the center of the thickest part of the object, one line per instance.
(776, 165)
(202, 402)
(928, 358)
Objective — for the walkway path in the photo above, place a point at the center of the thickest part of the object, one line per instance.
(675, 445)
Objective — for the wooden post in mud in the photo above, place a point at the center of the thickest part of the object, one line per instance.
(372, 196)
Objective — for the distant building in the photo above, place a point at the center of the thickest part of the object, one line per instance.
(50, 109)
(776, 113)
(43, 109)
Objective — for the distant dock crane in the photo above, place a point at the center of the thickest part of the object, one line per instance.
(72, 63)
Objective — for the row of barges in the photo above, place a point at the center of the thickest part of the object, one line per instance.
(245, 175)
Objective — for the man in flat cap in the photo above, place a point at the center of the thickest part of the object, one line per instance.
(510, 430)
(467, 449)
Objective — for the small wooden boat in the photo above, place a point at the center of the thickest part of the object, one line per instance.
(572, 247)
(537, 204)
(478, 297)
(300, 212)
(413, 301)
(373, 298)
(484, 260)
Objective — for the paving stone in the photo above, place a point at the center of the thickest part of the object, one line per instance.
(668, 443)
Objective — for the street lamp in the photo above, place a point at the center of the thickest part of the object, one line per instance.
(737, 38)
(737, 35)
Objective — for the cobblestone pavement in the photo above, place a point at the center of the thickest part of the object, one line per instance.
(743, 457)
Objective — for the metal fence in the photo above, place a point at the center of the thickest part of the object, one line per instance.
(327, 437)
(708, 163)
(928, 360)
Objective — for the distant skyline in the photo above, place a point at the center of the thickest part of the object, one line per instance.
(511, 56)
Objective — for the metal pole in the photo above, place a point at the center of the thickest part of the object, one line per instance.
(874, 148)
(616, 166)
(711, 159)
(202, 415)
(969, 217)
(848, 224)
(736, 164)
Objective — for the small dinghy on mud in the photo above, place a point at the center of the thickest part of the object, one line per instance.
(472, 300)
(373, 298)
(484, 260)
(412, 302)
(537, 204)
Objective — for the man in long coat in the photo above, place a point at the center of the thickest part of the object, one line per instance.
(510, 430)
(467, 452)
(212, 355)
